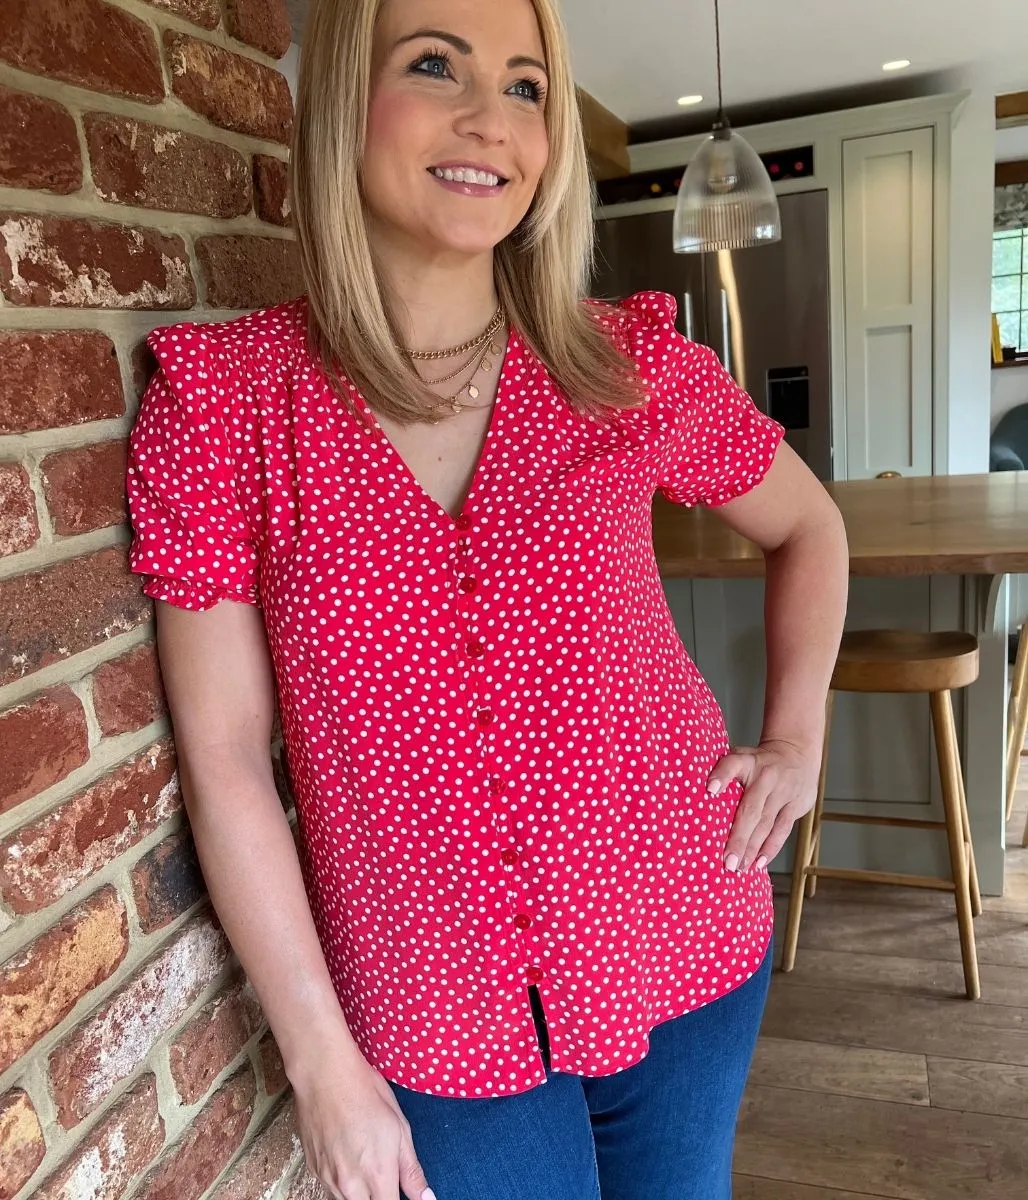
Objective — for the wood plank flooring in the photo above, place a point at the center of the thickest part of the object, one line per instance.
(874, 1075)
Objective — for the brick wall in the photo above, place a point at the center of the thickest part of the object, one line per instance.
(142, 180)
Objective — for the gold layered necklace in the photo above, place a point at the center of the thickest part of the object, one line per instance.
(479, 350)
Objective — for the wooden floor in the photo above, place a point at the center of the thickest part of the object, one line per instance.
(874, 1076)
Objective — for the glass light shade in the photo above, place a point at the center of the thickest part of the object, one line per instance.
(727, 200)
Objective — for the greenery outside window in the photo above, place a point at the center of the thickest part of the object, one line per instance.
(1010, 287)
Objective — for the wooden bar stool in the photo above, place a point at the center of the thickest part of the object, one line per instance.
(901, 661)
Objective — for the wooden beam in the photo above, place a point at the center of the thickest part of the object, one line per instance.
(1012, 109)
(1011, 172)
(606, 139)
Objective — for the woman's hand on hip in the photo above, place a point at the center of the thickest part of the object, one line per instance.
(779, 781)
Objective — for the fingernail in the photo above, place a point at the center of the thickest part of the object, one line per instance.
(714, 786)
(761, 863)
(732, 861)
(428, 1194)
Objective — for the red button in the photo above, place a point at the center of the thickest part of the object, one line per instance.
(484, 717)
(510, 857)
(534, 975)
(468, 584)
(522, 921)
(462, 522)
(475, 649)
(497, 785)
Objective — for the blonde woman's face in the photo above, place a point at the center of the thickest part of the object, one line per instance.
(456, 139)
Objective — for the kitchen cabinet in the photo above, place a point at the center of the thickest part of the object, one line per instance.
(888, 272)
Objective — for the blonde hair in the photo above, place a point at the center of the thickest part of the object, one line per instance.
(542, 269)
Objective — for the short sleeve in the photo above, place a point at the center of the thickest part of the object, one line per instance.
(721, 445)
(189, 533)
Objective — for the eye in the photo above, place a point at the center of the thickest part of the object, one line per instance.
(433, 62)
(530, 90)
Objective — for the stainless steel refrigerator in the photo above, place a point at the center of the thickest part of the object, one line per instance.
(765, 310)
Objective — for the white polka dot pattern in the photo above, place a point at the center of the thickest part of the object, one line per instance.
(497, 739)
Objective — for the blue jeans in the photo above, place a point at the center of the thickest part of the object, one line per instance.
(662, 1129)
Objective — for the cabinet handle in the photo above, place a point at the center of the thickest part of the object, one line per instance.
(726, 333)
(687, 312)
(888, 475)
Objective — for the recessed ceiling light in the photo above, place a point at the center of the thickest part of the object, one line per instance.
(896, 65)
(688, 101)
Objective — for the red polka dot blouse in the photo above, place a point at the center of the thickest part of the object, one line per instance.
(497, 740)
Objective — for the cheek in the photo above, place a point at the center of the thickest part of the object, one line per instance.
(394, 123)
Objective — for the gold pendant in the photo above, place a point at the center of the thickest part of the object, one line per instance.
(473, 392)
(487, 366)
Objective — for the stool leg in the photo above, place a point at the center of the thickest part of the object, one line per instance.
(1017, 717)
(972, 867)
(819, 806)
(804, 836)
(949, 771)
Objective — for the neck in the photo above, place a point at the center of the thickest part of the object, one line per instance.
(438, 302)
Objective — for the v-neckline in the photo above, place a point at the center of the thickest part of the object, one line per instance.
(484, 456)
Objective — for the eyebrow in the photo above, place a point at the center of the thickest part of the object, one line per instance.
(464, 47)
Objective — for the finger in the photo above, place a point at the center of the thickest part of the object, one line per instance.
(737, 764)
(747, 815)
(760, 832)
(412, 1178)
(779, 835)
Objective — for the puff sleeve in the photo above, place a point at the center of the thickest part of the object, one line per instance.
(720, 445)
(189, 533)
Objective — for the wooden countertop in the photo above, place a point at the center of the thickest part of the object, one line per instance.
(929, 525)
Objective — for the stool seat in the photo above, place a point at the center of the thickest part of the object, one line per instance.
(904, 660)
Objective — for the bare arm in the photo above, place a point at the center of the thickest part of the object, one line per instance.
(797, 525)
(220, 688)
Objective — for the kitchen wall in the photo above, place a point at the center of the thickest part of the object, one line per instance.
(143, 150)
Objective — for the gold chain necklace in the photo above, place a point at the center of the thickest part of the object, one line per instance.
(484, 336)
(453, 402)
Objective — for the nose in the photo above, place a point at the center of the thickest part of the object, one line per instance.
(482, 116)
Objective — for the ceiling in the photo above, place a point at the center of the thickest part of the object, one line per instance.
(638, 56)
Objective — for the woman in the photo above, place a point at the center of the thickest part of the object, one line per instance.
(527, 950)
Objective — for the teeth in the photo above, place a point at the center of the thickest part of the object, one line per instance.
(466, 175)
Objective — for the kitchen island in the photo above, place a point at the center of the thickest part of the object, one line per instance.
(929, 552)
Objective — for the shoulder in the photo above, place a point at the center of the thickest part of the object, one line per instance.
(643, 328)
(267, 340)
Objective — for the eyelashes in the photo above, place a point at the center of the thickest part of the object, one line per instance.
(536, 95)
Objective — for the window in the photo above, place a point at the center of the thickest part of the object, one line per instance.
(1010, 287)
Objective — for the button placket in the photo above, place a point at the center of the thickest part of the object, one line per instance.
(475, 650)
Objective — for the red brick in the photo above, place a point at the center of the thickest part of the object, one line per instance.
(128, 693)
(57, 379)
(41, 742)
(85, 488)
(112, 1043)
(134, 162)
(19, 526)
(47, 616)
(74, 262)
(106, 1164)
(86, 42)
(229, 90)
(42, 984)
(39, 146)
(213, 1039)
(213, 1136)
(306, 1186)
(271, 189)
(260, 23)
(249, 272)
(272, 1067)
(274, 1153)
(167, 882)
(21, 1142)
(205, 13)
(44, 860)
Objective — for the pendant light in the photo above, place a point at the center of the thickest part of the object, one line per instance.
(727, 200)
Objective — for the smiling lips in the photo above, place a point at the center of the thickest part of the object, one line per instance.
(469, 175)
